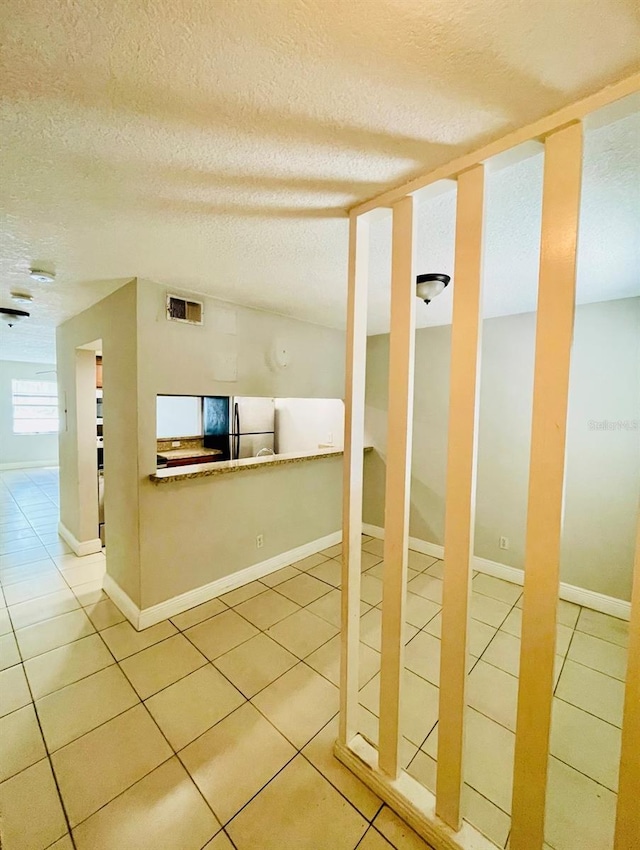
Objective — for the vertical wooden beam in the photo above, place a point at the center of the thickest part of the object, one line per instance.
(398, 482)
(466, 335)
(554, 335)
(627, 835)
(353, 472)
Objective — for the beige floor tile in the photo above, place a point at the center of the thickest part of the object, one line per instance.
(207, 696)
(436, 569)
(488, 610)
(373, 840)
(162, 664)
(38, 571)
(255, 664)
(25, 590)
(21, 743)
(319, 751)
(419, 705)
(77, 709)
(25, 824)
(580, 813)
(84, 573)
(63, 843)
(326, 661)
(43, 608)
(476, 810)
(371, 629)
(591, 691)
(235, 759)
(266, 609)
(60, 667)
(586, 743)
(220, 842)
(333, 551)
(601, 655)
(513, 626)
(163, 811)
(274, 579)
(272, 819)
(66, 562)
(398, 832)
(603, 626)
(9, 654)
(368, 560)
(494, 693)
(370, 589)
(97, 767)
(14, 691)
(303, 589)
(504, 652)
(51, 634)
(221, 633)
(480, 634)
(104, 614)
(428, 586)
(90, 593)
(299, 704)
(368, 727)
(25, 557)
(329, 572)
(241, 594)
(497, 588)
(375, 547)
(419, 611)
(196, 615)
(302, 633)
(123, 640)
(419, 561)
(489, 749)
(309, 562)
(329, 608)
(422, 656)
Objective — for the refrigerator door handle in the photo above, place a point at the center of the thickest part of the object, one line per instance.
(236, 415)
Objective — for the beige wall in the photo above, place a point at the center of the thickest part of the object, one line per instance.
(603, 467)
(195, 532)
(26, 449)
(112, 320)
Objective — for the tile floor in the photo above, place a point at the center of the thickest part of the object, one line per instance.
(215, 729)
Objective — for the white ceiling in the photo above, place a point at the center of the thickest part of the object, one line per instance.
(214, 146)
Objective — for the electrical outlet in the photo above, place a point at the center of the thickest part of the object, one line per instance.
(175, 444)
(259, 541)
(504, 542)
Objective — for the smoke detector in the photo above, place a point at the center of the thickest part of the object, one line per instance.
(10, 315)
(42, 276)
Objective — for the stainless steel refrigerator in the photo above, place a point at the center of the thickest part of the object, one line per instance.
(240, 426)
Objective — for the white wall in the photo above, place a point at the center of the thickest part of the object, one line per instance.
(303, 424)
(602, 484)
(23, 449)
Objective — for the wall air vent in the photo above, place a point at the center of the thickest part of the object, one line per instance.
(183, 310)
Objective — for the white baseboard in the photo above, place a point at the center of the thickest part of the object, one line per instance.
(569, 592)
(80, 547)
(31, 464)
(142, 619)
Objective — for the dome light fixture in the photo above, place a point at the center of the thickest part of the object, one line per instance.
(42, 276)
(22, 297)
(10, 315)
(430, 285)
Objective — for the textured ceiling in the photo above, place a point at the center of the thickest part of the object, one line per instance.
(214, 146)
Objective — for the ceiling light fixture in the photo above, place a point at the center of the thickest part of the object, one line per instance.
(42, 276)
(430, 285)
(10, 315)
(23, 297)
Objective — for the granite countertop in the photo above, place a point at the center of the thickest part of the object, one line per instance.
(175, 454)
(205, 470)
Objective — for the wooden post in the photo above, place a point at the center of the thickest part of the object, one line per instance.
(353, 472)
(554, 334)
(398, 482)
(460, 491)
(627, 836)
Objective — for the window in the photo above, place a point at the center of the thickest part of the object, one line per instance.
(35, 407)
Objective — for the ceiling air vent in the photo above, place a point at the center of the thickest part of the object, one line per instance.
(182, 310)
